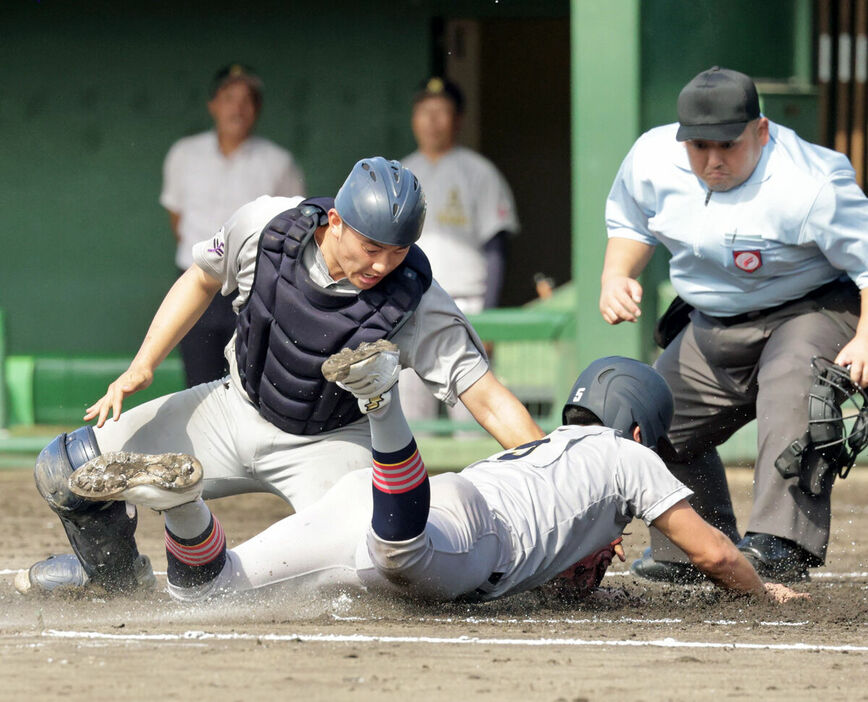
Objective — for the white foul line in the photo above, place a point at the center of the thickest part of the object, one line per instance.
(564, 620)
(854, 575)
(460, 640)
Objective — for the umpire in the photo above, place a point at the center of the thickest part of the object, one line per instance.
(768, 236)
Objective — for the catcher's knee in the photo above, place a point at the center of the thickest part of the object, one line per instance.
(55, 464)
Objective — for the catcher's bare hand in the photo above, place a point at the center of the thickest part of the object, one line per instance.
(619, 299)
(782, 593)
(130, 381)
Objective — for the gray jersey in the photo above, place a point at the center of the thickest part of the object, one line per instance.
(527, 514)
(569, 495)
(239, 449)
(438, 342)
(469, 201)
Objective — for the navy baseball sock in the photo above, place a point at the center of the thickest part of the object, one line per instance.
(402, 494)
(198, 560)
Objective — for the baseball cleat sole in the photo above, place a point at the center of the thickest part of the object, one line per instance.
(158, 481)
(337, 366)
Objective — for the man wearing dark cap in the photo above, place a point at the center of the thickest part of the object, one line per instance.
(768, 236)
(206, 177)
(471, 214)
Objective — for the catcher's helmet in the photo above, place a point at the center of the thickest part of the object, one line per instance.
(837, 430)
(383, 201)
(623, 392)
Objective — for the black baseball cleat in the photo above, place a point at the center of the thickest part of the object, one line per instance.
(665, 571)
(776, 558)
(66, 573)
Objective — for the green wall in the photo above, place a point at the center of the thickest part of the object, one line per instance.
(91, 99)
(92, 94)
(680, 38)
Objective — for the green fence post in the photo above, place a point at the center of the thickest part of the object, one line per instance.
(605, 47)
(4, 414)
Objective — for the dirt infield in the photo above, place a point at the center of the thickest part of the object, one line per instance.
(634, 642)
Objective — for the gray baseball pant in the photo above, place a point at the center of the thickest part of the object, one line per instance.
(239, 450)
(722, 377)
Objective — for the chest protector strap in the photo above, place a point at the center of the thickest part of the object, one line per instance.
(289, 325)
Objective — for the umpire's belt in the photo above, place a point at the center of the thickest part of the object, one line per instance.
(837, 284)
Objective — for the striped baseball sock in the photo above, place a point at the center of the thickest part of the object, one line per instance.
(402, 494)
(197, 560)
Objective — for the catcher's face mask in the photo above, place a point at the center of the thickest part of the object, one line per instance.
(837, 430)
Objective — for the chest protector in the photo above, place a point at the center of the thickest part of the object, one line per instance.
(289, 325)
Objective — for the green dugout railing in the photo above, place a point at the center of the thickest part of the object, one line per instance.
(57, 389)
(532, 354)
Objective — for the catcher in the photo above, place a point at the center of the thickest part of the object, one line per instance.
(550, 509)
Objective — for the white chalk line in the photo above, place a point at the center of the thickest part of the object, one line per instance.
(565, 620)
(821, 575)
(668, 642)
(825, 575)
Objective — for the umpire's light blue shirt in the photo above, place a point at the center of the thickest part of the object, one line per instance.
(795, 224)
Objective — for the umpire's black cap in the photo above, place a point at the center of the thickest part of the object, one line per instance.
(623, 393)
(717, 105)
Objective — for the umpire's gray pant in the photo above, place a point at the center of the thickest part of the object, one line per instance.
(722, 377)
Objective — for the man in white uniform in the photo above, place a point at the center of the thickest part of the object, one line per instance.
(769, 243)
(313, 276)
(501, 526)
(206, 177)
(471, 214)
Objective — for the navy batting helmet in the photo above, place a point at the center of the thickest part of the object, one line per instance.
(622, 393)
(383, 201)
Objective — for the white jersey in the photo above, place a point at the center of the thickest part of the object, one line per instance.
(469, 201)
(204, 187)
(568, 495)
(796, 223)
(525, 514)
(437, 342)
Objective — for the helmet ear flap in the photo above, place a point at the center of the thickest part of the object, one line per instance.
(624, 422)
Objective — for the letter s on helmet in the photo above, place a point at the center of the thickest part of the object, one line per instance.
(383, 201)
